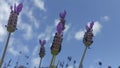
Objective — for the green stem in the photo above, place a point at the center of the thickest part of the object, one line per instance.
(40, 63)
(52, 61)
(80, 65)
(5, 49)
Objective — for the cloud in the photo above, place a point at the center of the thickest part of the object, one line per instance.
(27, 28)
(32, 18)
(47, 34)
(97, 27)
(4, 15)
(105, 18)
(35, 51)
(15, 46)
(79, 35)
(40, 4)
(70, 66)
(35, 62)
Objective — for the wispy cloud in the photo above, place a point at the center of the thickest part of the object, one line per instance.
(36, 50)
(35, 62)
(4, 14)
(97, 27)
(79, 35)
(105, 18)
(40, 4)
(28, 31)
(15, 47)
(47, 34)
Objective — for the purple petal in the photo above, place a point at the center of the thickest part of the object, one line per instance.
(62, 15)
(19, 7)
(15, 8)
(44, 42)
(59, 28)
(91, 25)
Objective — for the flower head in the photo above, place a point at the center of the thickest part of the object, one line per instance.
(88, 36)
(88, 28)
(62, 14)
(42, 42)
(17, 9)
(42, 48)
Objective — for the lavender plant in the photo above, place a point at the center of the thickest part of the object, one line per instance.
(56, 45)
(42, 51)
(87, 40)
(11, 26)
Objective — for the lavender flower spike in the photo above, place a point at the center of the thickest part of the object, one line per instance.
(42, 42)
(59, 28)
(62, 15)
(19, 8)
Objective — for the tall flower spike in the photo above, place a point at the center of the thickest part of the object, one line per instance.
(62, 15)
(42, 50)
(59, 28)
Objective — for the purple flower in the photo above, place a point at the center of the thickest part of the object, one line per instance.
(91, 25)
(42, 42)
(19, 7)
(62, 15)
(88, 28)
(16, 9)
(59, 28)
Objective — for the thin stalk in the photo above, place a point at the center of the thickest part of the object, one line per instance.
(5, 49)
(52, 61)
(80, 65)
(40, 63)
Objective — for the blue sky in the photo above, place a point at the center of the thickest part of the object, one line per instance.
(38, 20)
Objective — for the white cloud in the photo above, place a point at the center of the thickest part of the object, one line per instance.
(4, 15)
(79, 35)
(13, 51)
(105, 18)
(47, 33)
(27, 28)
(67, 26)
(97, 27)
(56, 22)
(70, 66)
(35, 62)
(15, 46)
(36, 50)
(40, 4)
(32, 18)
